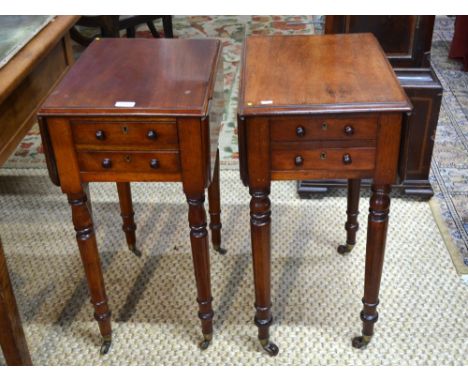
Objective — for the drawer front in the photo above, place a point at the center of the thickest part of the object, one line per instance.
(324, 159)
(304, 129)
(129, 162)
(89, 135)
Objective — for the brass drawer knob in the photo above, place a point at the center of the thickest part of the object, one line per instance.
(151, 134)
(106, 163)
(347, 159)
(100, 135)
(154, 163)
(300, 131)
(349, 130)
(298, 161)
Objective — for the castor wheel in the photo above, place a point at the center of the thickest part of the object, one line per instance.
(269, 347)
(206, 341)
(135, 251)
(345, 249)
(220, 250)
(361, 342)
(106, 344)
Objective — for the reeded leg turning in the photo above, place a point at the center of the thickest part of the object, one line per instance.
(376, 237)
(201, 264)
(215, 209)
(352, 225)
(260, 234)
(126, 211)
(90, 257)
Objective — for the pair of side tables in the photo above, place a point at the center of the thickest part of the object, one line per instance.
(150, 110)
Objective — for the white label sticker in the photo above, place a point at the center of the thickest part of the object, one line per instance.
(124, 104)
(267, 102)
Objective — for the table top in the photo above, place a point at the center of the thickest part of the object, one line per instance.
(139, 77)
(29, 56)
(17, 31)
(318, 74)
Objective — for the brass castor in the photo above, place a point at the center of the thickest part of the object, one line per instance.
(206, 341)
(269, 347)
(136, 251)
(220, 250)
(361, 342)
(345, 249)
(106, 344)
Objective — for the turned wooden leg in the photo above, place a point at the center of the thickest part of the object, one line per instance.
(167, 26)
(260, 235)
(90, 257)
(12, 340)
(201, 264)
(352, 225)
(376, 237)
(126, 211)
(215, 209)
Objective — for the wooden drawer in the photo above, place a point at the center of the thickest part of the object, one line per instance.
(304, 129)
(124, 135)
(129, 161)
(362, 158)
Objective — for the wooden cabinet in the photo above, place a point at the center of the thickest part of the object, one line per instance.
(406, 40)
(425, 92)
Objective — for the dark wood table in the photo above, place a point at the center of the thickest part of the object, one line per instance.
(139, 110)
(318, 107)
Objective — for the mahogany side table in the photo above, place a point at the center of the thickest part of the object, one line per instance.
(318, 107)
(139, 110)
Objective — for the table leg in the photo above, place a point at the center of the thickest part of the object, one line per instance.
(215, 209)
(126, 211)
(90, 257)
(260, 235)
(352, 225)
(12, 340)
(375, 249)
(201, 264)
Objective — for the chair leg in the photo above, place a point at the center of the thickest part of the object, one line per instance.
(131, 32)
(352, 225)
(126, 211)
(167, 26)
(152, 29)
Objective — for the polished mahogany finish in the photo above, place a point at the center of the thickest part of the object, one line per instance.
(139, 110)
(12, 339)
(314, 107)
(406, 39)
(277, 92)
(417, 142)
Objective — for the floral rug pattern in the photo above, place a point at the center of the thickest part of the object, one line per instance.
(449, 174)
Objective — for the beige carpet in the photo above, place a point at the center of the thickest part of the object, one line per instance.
(316, 293)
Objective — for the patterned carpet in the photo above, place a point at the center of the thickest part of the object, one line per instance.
(316, 293)
(449, 176)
